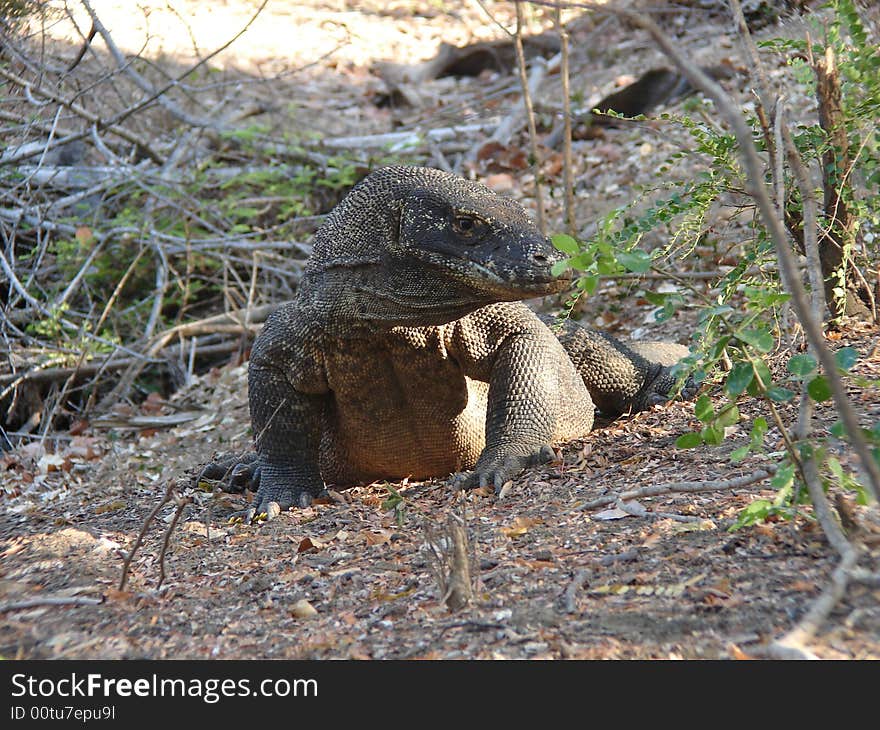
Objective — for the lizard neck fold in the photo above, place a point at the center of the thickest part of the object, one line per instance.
(380, 298)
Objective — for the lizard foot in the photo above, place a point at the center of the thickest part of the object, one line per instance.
(233, 472)
(494, 469)
(274, 493)
(279, 490)
(658, 389)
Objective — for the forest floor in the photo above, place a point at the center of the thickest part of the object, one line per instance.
(351, 577)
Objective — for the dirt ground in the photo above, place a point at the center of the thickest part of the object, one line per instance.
(352, 577)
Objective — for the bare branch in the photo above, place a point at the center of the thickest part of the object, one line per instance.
(530, 119)
(567, 165)
(146, 86)
(126, 563)
(653, 490)
(50, 601)
(80, 111)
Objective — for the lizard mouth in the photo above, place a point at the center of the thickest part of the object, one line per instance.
(514, 278)
(500, 278)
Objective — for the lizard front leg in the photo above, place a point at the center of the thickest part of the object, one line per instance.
(522, 409)
(287, 428)
(620, 378)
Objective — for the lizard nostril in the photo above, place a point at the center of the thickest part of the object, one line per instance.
(540, 257)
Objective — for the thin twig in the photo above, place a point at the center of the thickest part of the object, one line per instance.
(126, 563)
(567, 163)
(638, 510)
(182, 504)
(653, 490)
(50, 601)
(581, 577)
(80, 111)
(530, 119)
(810, 224)
(145, 85)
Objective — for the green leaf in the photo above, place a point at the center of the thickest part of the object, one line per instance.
(835, 468)
(738, 378)
(762, 373)
(582, 261)
(703, 409)
(780, 395)
(759, 430)
(838, 430)
(757, 511)
(658, 299)
(846, 357)
(718, 347)
(391, 502)
(784, 477)
(565, 243)
(713, 435)
(688, 440)
(802, 365)
(739, 454)
(637, 261)
(588, 284)
(761, 340)
(758, 508)
(559, 268)
(728, 416)
(819, 389)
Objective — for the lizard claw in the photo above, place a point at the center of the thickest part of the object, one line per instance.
(658, 390)
(690, 389)
(271, 500)
(277, 488)
(233, 472)
(496, 470)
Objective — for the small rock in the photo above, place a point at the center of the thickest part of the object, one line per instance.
(303, 609)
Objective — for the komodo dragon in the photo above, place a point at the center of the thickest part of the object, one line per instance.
(407, 352)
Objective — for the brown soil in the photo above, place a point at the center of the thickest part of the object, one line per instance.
(350, 578)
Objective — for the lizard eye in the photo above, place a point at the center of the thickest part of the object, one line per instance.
(468, 225)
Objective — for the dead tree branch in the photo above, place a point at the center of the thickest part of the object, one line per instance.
(655, 490)
(50, 601)
(530, 119)
(126, 563)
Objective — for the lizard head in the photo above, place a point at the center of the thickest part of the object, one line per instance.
(418, 245)
(463, 231)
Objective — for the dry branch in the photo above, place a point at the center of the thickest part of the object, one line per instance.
(530, 119)
(450, 561)
(793, 644)
(240, 321)
(570, 598)
(126, 563)
(181, 504)
(655, 490)
(49, 374)
(401, 140)
(811, 224)
(50, 601)
(567, 165)
(157, 94)
(103, 124)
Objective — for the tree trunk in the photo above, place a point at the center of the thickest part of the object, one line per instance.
(845, 291)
